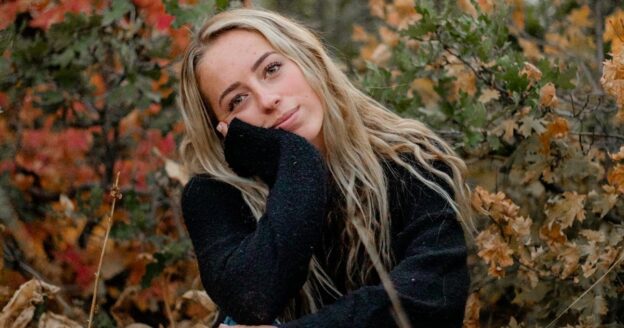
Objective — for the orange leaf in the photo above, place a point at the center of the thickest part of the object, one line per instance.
(616, 178)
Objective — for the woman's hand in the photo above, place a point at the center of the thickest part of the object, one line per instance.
(243, 326)
(222, 127)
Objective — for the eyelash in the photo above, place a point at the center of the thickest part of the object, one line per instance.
(267, 72)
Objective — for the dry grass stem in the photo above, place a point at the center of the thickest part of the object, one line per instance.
(116, 195)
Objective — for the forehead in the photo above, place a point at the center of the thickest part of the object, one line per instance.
(228, 58)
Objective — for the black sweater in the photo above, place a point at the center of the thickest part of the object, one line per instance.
(251, 270)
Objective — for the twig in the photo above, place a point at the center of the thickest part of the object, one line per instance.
(616, 263)
(116, 195)
(165, 288)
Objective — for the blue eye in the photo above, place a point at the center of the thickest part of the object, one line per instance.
(272, 68)
(235, 101)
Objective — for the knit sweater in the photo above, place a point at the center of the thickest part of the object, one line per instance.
(252, 269)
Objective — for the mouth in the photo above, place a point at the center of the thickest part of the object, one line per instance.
(284, 117)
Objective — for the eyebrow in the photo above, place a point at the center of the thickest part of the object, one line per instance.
(253, 68)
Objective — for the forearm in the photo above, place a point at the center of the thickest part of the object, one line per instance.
(252, 270)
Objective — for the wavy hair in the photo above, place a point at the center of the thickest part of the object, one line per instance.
(359, 134)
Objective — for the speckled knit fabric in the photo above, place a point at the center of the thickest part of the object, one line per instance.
(251, 270)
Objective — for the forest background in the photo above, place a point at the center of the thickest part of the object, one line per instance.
(530, 93)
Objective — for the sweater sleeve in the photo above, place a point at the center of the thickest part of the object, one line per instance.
(251, 270)
(431, 278)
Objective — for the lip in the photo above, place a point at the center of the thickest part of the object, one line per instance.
(284, 118)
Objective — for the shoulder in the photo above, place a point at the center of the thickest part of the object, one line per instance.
(412, 176)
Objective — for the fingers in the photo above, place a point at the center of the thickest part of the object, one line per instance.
(222, 127)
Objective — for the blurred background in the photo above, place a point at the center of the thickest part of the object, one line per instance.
(529, 93)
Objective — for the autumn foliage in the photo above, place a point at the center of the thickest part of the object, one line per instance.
(536, 110)
(531, 94)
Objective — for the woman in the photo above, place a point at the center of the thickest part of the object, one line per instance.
(312, 205)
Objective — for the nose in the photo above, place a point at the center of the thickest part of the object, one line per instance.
(269, 101)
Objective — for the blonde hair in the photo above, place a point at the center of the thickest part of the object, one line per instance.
(358, 132)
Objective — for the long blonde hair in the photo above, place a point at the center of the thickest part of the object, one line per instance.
(358, 133)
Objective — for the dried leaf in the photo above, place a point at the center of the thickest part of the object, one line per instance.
(472, 309)
(532, 73)
(566, 208)
(494, 251)
(467, 7)
(529, 124)
(21, 308)
(425, 89)
(581, 17)
(570, 256)
(548, 96)
(52, 320)
(618, 156)
(488, 95)
(615, 177)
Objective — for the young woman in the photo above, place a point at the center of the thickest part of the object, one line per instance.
(311, 204)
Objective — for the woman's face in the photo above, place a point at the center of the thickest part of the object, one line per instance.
(243, 76)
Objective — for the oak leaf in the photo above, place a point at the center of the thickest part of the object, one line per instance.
(548, 96)
(532, 73)
(494, 251)
(566, 208)
(21, 308)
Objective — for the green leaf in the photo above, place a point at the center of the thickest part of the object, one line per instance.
(222, 4)
(116, 11)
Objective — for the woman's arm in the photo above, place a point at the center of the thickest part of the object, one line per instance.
(251, 270)
(431, 277)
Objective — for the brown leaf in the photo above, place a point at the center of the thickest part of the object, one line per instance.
(21, 308)
(566, 208)
(581, 17)
(552, 234)
(472, 309)
(488, 95)
(548, 96)
(52, 320)
(494, 251)
(532, 73)
(570, 255)
(615, 177)
(467, 7)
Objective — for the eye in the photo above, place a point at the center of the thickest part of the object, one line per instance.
(236, 100)
(272, 68)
